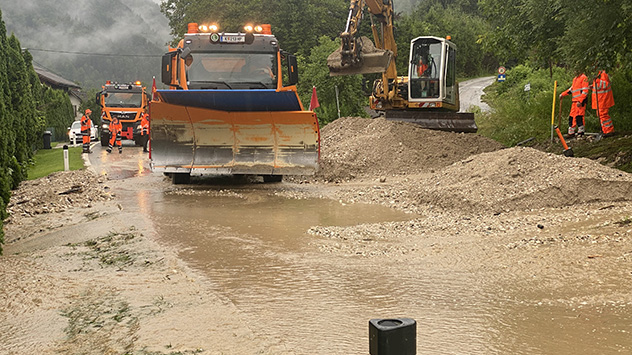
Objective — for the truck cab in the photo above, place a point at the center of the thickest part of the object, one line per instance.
(227, 61)
(127, 102)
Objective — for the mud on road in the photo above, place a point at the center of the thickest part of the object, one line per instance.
(83, 271)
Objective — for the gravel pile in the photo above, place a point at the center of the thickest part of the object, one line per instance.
(56, 193)
(513, 179)
(522, 179)
(423, 169)
(354, 147)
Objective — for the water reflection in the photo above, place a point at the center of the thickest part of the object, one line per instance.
(254, 246)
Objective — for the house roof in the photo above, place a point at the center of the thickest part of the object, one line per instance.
(54, 80)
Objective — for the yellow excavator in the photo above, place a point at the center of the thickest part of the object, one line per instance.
(428, 96)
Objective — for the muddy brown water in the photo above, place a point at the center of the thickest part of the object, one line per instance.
(255, 248)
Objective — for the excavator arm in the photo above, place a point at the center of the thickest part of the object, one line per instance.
(358, 55)
(430, 97)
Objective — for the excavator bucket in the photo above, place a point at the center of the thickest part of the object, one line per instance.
(262, 132)
(437, 120)
(372, 60)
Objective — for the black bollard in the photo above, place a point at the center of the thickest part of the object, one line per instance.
(396, 336)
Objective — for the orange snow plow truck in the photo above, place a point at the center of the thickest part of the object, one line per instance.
(227, 110)
(127, 102)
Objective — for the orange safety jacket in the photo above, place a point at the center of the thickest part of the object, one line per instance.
(579, 88)
(85, 124)
(601, 87)
(421, 68)
(144, 125)
(115, 127)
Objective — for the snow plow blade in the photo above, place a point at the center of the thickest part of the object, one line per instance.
(437, 120)
(372, 60)
(261, 132)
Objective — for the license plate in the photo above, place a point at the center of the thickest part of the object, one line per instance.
(232, 39)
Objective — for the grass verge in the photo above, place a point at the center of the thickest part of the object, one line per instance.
(48, 161)
(524, 118)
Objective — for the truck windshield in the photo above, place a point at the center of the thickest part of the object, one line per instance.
(123, 99)
(231, 70)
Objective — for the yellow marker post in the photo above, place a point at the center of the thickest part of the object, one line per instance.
(553, 110)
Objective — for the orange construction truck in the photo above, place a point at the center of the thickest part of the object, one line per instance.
(128, 102)
(231, 108)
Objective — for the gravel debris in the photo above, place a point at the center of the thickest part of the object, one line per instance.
(57, 193)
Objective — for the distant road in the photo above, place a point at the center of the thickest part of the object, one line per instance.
(470, 92)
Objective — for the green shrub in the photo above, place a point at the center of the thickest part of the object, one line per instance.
(519, 115)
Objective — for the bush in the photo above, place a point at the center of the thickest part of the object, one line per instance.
(519, 115)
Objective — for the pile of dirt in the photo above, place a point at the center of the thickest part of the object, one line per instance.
(56, 193)
(354, 147)
(518, 179)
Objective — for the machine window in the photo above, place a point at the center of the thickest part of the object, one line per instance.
(231, 71)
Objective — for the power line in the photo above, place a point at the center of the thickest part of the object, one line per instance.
(96, 54)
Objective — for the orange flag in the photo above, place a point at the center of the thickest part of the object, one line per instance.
(314, 101)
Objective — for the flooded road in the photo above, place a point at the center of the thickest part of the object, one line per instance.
(254, 246)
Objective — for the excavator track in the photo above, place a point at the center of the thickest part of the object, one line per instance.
(437, 120)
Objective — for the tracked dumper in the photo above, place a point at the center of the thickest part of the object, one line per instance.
(227, 110)
(428, 96)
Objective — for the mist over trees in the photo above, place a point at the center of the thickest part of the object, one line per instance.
(91, 41)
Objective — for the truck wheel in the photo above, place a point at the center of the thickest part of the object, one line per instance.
(138, 141)
(105, 139)
(180, 178)
(272, 178)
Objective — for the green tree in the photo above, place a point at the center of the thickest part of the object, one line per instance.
(523, 30)
(437, 20)
(23, 106)
(598, 34)
(58, 112)
(6, 123)
(314, 72)
(296, 23)
(36, 122)
(91, 104)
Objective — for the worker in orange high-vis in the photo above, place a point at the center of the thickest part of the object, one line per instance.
(115, 135)
(602, 100)
(144, 131)
(579, 95)
(422, 67)
(86, 125)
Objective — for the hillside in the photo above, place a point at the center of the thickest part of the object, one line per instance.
(129, 36)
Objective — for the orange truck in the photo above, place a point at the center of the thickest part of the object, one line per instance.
(228, 109)
(128, 102)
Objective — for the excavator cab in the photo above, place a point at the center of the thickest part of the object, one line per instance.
(431, 71)
(431, 92)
